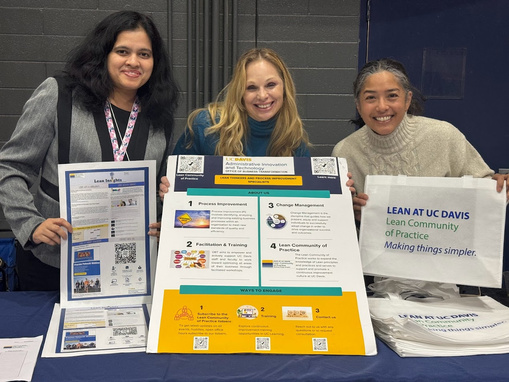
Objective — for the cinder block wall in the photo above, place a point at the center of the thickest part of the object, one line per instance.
(319, 42)
(35, 37)
(318, 39)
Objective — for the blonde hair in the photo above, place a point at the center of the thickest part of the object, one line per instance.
(228, 113)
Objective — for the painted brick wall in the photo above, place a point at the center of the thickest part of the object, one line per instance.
(317, 39)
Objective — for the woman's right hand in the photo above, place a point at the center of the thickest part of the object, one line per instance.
(359, 200)
(51, 231)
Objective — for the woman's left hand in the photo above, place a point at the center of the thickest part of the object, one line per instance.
(164, 187)
(350, 182)
(359, 201)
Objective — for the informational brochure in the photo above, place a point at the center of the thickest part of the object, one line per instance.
(18, 357)
(259, 255)
(108, 262)
(97, 330)
(448, 230)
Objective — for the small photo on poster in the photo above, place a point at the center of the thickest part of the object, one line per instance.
(192, 219)
(299, 313)
(77, 340)
(197, 259)
(276, 221)
(87, 277)
(84, 255)
(248, 312)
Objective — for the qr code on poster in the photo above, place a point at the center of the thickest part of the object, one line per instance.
(125, 253)
(190, 164)
(125, 331)
(324, 166)
(320, 344)
(262, 343)
(201, 343)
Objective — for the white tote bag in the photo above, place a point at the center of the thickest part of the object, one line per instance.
(435, 229)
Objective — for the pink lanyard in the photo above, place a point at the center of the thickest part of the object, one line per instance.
(118, 153)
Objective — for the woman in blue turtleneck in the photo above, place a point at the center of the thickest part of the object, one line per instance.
(255, 114)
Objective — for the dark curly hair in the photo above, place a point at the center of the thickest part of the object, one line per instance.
(88, 73)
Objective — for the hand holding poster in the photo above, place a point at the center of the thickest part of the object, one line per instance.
(436, 229)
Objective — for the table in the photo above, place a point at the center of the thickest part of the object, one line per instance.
(27, 314)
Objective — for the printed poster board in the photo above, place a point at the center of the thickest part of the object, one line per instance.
(435, 229)
(259, 255)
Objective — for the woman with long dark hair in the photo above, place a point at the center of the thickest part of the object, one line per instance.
(119, 91)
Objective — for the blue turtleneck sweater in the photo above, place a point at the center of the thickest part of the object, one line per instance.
(256, 143)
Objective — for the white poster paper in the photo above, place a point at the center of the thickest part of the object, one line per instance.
(259, 255)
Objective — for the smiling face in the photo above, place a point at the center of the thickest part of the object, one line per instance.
(382, 102)
(264, 93)
(130, 63)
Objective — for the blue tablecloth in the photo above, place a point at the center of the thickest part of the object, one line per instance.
(27, 314)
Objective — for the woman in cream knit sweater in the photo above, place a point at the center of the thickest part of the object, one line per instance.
(395, 140)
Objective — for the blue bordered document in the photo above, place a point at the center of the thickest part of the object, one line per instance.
(108, 262)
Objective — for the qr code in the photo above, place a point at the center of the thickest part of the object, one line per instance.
(125, 253)
(320, 344)
(324, 166)
(201, 343)
(262, 343)
(125, 331)
(191, 164)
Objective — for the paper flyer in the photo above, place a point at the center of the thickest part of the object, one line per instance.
(260, 255)
(108, 262)
(435, 229)
(18, 357)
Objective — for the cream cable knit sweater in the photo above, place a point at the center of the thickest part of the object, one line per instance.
(419, 146)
